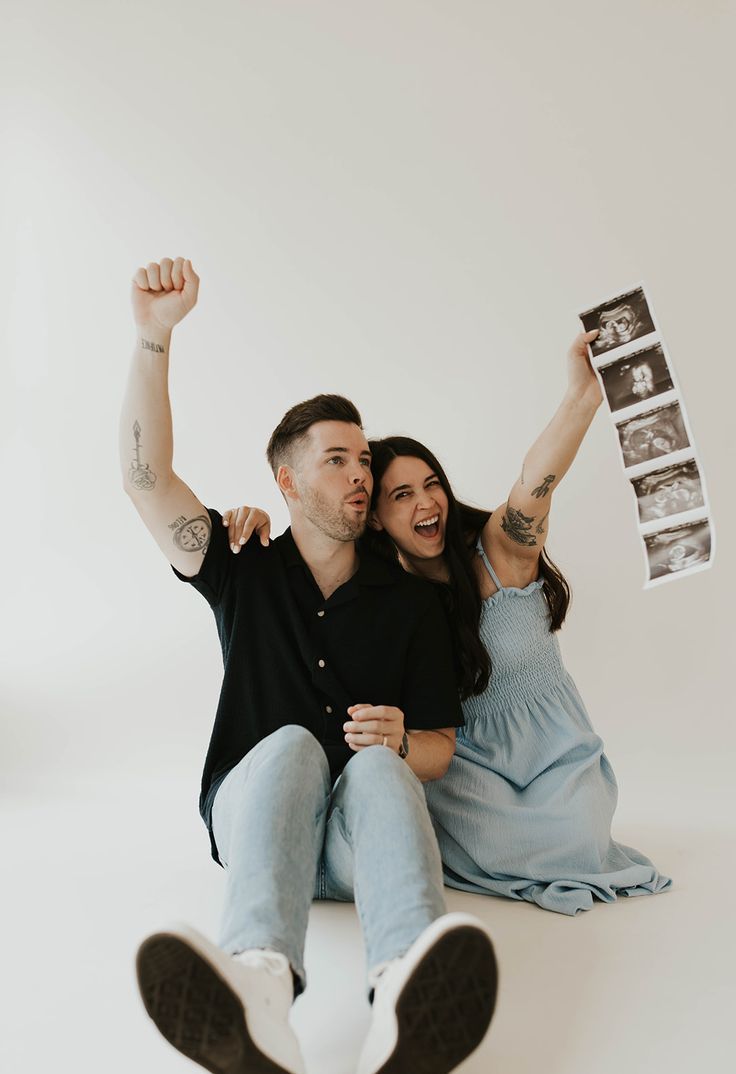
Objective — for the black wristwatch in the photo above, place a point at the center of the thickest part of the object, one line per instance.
(404, 746)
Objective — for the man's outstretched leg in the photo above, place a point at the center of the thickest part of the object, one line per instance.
(434, 973)
(227, 1007)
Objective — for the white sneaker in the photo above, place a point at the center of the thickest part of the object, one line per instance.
(228, 1014)
(433, 1005)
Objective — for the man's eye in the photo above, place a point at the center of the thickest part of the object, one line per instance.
(335, 458)
(366, 463)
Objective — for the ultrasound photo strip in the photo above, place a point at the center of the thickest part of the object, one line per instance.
(654, 438)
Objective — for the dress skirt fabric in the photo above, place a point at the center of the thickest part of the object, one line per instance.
(525, 808)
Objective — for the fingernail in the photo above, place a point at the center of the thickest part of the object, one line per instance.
(242, 540)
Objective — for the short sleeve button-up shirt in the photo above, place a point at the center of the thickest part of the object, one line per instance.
(292, 657)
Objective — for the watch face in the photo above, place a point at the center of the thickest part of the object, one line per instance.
(194, 535)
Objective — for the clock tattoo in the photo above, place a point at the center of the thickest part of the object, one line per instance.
(193, 535)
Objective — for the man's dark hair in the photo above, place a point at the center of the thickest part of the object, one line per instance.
(297, 422)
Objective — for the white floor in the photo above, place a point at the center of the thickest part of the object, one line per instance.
(642, 985)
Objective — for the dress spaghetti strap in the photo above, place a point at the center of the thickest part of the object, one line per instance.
(487, 562)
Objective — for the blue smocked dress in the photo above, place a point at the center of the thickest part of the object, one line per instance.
(526, 805)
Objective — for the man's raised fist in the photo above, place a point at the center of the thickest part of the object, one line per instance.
(164, 293)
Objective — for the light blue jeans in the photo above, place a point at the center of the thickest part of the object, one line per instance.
(286, 836)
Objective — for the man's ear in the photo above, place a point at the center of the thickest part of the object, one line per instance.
(373, 521)
(286, 483)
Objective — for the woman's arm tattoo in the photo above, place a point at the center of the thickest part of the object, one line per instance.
(518, 526)
(543, 489)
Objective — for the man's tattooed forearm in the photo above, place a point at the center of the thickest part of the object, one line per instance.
(140, 474)
(148, 345)
(543, 489)
(191, 534)
(518, 527)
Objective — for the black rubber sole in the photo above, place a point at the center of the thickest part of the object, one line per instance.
(196, 1010)
(446, 1005)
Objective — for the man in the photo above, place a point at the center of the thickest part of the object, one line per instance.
(338, 699)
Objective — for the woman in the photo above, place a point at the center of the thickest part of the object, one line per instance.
(525, 808)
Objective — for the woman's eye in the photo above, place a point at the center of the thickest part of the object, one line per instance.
(400, 495)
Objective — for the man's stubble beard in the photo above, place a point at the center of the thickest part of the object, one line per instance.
(328, 518)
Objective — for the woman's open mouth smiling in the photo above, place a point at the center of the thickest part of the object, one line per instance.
(428, 527)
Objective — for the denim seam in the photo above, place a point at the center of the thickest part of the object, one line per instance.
(323, 810)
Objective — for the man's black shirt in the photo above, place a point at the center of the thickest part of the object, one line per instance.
(292, 657)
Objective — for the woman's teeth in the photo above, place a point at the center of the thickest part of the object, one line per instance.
(429, 528)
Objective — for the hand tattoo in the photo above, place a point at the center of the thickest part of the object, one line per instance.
(140, 474)
(193, 534)
(543, 489)
(517, 527)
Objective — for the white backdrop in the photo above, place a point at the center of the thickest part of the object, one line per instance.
(406, 202)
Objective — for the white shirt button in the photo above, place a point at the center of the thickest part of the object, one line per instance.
(321, 663)
(320, 614)
(328, 708)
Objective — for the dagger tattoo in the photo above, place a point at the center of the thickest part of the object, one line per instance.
(140, 474)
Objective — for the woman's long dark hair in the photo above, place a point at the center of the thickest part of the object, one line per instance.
(461, 593)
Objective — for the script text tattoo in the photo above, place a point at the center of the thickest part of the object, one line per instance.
(149, 345)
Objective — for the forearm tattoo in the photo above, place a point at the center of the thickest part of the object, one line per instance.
(140, 474)
(191, 534)
(518, 527)
(543, 489)
(540, 527)
(148, 345)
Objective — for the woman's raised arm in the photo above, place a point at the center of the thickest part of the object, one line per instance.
(515, 533)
